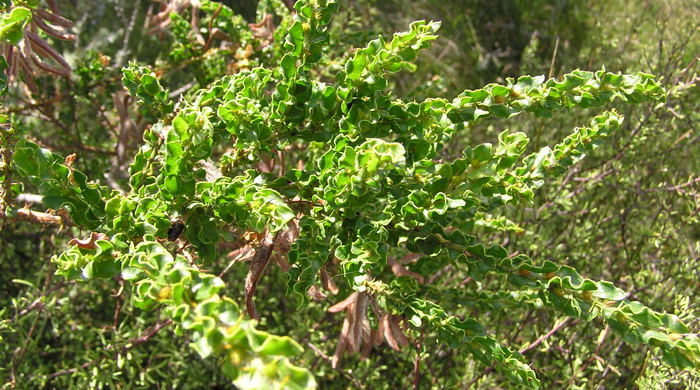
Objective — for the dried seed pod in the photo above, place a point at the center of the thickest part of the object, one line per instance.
(359, 316)
(399, 270)
(45, 48)
(52, 4)
(342, 343)
(52, 18)
(389, 335)
(284, 244)
(281, 262)
(342, 305)
(243, 253)
(194, 21)
(327, 282)
(264, 30)
(58, 34)
(396, 330)
(316, 294)
(410, 258)
(378, 338)
(369, 343)
(29, 74)
(352, 345)
(255, 271)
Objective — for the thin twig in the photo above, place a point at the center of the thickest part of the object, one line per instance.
(537, 342)
(344, 373)
(549, 334)
(144, 337)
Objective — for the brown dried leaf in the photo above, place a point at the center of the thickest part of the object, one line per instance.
(88, 243)
(252, 237)
(70, 159)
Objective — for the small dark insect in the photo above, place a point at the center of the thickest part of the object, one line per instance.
(176, 229)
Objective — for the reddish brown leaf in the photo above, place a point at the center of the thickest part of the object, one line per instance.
(70, 159)
(88, 243)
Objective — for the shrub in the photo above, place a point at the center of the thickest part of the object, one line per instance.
(343, 186)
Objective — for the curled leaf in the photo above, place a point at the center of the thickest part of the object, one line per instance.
(88, 243)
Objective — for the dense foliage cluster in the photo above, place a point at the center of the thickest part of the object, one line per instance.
(251, 149)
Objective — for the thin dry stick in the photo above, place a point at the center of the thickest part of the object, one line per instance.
(537, 342)
(549, 334)
(554, 57)
(147, 335)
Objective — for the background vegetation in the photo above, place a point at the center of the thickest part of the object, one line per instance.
(628, 213)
